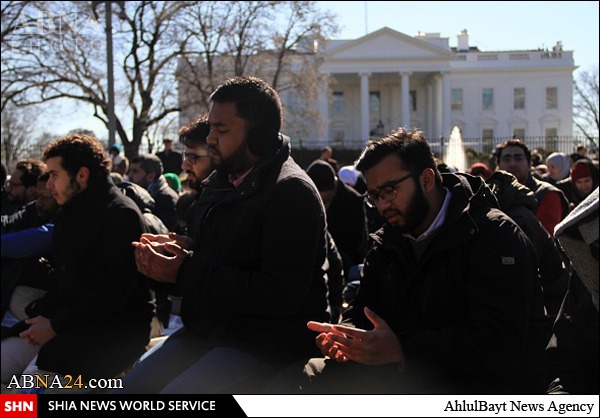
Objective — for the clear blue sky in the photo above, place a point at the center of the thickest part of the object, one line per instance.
(493, 26)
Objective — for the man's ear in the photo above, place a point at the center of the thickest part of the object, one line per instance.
(83, 176)
(428, 180)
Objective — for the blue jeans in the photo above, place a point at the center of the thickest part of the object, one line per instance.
(187, 364)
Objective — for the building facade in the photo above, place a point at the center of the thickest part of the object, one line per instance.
(387, 79)
(368, 86)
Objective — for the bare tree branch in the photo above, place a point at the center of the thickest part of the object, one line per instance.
(586, 113)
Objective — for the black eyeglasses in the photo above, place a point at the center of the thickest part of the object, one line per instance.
(192, 158)
(387, 193)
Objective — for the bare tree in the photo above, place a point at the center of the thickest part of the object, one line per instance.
(16, 134)
(19, 19)
(280, 42)
(70, 63)
(585, 106)
(55, 51)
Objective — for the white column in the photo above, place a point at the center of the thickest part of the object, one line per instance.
(395, 115)
(446, 104)
(430, 130)
(323, 106)
(405, 100)
(438, 106)
(364, 106)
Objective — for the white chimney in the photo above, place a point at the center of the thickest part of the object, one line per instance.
(463, 41)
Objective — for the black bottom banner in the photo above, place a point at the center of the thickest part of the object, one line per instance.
(137, 405)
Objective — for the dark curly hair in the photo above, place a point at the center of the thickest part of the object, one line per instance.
(80, 150)
(194, 133)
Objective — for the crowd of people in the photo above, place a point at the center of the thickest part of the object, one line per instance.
(389, 275)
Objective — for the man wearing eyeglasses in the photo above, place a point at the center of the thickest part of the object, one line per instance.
(21, 188)
(449, 301)
(196, 161)
(22, 191)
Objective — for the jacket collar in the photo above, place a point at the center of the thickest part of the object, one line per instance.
(218, 183)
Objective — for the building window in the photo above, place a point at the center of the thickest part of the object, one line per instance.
(551, 98)
(487, 99)
(519, 98)
(457, 99)
(519, 134)
(374, 102)
(339, 137)
(487, 140)
(413, 100)
(551, 140)
(338, 102)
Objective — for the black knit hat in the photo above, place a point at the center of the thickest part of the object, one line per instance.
(322, 174)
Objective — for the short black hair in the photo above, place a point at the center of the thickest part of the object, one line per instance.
(150, 163)
(410, 146)
(31, 170)
(512, 143)
(256, 101)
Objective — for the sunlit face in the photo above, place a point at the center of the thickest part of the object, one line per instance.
(139, 176)
(62, 185)
(227, 139)
(407, 208)
(514, 160)
(45, 203)
(552, 170)
(16, 190)
(197, 164)
(584, 185)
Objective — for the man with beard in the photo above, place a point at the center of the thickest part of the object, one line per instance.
(252, 277)
(21, 191)
(94, 321)
(449, 301)
(21, 187)
(196, 161)
(515, 157)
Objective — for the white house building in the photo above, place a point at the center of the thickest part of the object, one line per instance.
(387, 79)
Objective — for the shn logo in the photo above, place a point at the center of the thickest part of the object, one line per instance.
(18, 406)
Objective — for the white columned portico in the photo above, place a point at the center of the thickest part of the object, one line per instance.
(405, 99)
(323, 126)
(446, 104)
(364, 106)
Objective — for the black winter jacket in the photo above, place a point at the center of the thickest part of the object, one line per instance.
(255, 277)
(518, 202)
(100, 301)
(469, 313)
